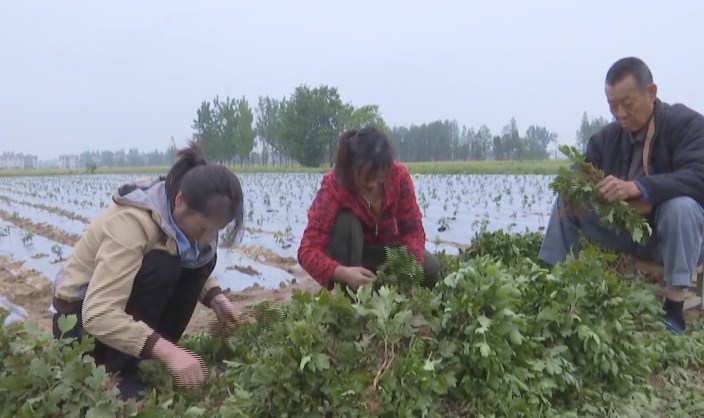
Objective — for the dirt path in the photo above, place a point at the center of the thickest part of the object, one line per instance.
(32, 291)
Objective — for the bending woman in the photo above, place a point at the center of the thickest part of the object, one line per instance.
(136, 274)
(366, 203)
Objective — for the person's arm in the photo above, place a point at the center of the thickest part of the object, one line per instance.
(119, 258)
(312, 253)
(211, 289)
(688, 162)
(227, 314)
(409, 218)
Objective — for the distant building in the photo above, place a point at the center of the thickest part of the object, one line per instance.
(31, 162)
(13, 161)
(69, 161)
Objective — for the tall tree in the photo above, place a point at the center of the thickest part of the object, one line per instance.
(269, 125)
(245, 132)
(360, 117)
(207, 130)
(226, 120)
(509, 146)
(455, 139)
(170, 156)
(310, 120)
(536, 142)
(482, 144)
(120, 158)
(134, 158)
(398, 137)
(587, 128)
(464, 147)
(107, 158)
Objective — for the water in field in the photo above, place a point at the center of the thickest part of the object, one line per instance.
(454, 208)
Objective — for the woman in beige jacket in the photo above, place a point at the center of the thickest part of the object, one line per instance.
(136, 274)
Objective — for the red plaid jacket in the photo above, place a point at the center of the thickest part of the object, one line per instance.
(400, 221)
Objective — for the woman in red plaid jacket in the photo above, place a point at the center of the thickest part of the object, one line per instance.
(365, 204)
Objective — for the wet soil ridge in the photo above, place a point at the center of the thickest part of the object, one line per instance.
(45, 230)
(51, 209)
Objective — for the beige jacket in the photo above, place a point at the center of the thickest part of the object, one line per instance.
(97, 278)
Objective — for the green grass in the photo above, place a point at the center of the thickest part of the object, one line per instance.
(442, 167)
(487, 167)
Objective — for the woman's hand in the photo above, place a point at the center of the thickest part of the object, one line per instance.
(187, 368)
(354, 276)
(226, 313)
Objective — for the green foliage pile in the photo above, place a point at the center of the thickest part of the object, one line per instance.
(504, 246)
(577, 188)
(493, 339)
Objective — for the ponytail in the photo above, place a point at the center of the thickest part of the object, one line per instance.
(343, 156)
(187, 158)
(211, 190)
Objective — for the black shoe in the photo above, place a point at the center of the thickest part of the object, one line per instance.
(674, 316)
(675, 326)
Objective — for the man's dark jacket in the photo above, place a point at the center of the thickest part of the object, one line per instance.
(676, 161)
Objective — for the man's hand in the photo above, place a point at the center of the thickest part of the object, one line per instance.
(613, 189)
(226, 313)
(187, 368)
(354, 276)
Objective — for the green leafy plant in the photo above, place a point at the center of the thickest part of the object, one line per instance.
(499, 336)
(284, 238)
(58, 252)
(44, 377)
(400, 269)
(27, 237)
(502, 246)
(444, 223)
(529, 340)
(577, 188)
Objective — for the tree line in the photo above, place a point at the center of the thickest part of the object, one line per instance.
(445, 141)
(303, 128)
(130, 158)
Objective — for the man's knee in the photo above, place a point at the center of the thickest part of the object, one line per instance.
(679, 212)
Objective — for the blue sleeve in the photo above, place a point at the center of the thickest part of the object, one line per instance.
(644, 193)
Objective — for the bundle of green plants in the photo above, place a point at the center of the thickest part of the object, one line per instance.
(578, 190)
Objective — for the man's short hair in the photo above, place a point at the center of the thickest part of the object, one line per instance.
(629, 66)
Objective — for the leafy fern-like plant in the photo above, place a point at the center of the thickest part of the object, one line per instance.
(577, 188)
(400, 269)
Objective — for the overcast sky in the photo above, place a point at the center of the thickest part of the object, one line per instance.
(78, 75)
